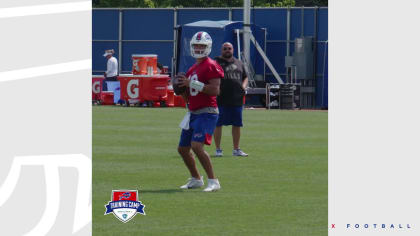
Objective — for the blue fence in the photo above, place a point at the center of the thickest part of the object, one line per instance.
(151, 31)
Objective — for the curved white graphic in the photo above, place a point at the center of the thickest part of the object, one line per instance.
(45, 70)
(51, 164)
(135, 92)
(96, 87)
(45, 9)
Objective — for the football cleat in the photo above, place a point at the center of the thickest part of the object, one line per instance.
(193, 183)
(239, 153)
(212, 185)
(219, 153)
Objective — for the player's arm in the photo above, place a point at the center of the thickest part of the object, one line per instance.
(244, 77)
(212, 88)
(245, 83)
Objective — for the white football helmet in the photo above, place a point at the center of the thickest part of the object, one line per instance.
(202, 38)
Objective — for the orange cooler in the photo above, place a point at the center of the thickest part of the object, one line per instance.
(144, 64)
(152, 64)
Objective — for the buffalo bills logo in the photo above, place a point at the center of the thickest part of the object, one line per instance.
(198, 135)
(126, 195)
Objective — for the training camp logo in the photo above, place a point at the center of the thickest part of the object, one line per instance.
(124, 205)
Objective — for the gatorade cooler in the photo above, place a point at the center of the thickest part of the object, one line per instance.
(107, 98)
(144, 64)
(130, 88)
(154, 88)
(152, 64)
(139, 64)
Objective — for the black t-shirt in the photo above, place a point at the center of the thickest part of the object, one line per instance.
(231, 91)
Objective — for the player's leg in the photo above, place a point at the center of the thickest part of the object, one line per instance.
(184, 149)
(217, 140)
(203, 157)
(218, 131)
(236, 130)
(203, 130)
(236, 136)
(189, 161)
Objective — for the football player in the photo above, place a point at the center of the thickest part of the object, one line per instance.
(202, 81)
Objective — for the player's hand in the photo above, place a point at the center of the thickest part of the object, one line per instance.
(183, 81)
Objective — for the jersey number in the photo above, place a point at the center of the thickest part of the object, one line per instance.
(193, 92)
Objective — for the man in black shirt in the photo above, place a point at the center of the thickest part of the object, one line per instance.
(230, 99)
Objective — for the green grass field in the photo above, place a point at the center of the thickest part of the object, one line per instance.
(280, 189)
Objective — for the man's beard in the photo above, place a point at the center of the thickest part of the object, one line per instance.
(227, 55)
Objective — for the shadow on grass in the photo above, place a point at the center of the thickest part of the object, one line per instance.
(213, 157)
(166, 191)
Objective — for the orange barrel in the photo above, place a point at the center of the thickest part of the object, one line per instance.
(139, 64)
(151, 64)
(144, 64)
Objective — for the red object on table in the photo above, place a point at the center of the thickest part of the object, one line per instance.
(142, 88)
(97, 81)
(129, 87)
(154, 88)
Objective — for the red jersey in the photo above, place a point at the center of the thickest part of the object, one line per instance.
(208, 69)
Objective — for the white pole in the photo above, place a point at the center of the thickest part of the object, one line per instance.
(247, 30)
(238, 42)
(267, 61)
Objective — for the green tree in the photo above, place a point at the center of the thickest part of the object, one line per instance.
(309, 3)
(125, 3)
(274, 3)
(191, 3)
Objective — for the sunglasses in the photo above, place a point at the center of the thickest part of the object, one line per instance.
(225, 49)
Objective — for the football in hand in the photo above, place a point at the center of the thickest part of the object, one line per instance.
(176, 84)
